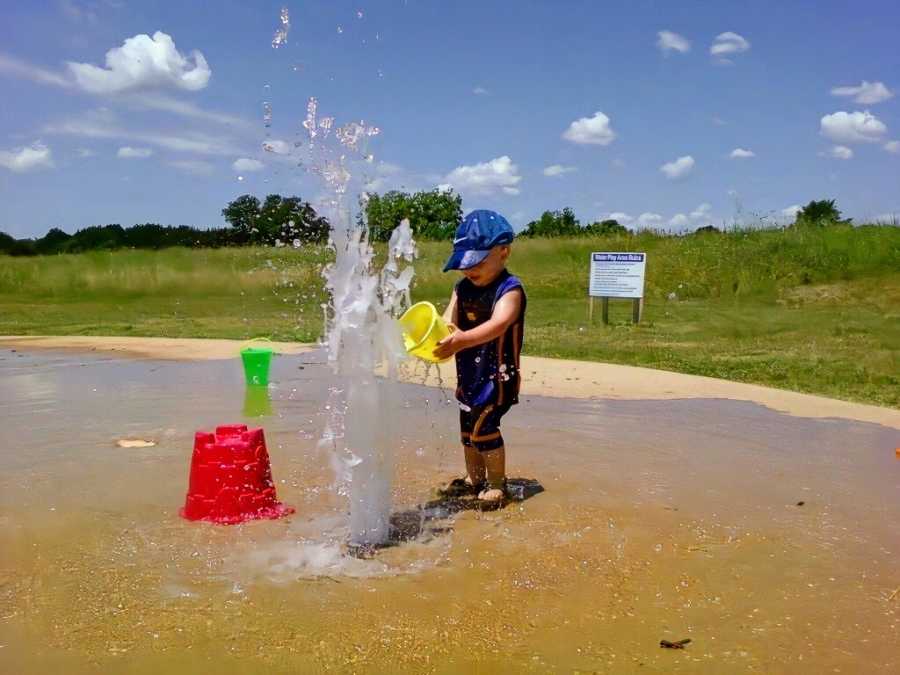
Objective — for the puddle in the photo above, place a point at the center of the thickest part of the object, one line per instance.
(658, 520)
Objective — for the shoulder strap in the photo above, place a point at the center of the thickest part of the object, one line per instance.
(509, 283)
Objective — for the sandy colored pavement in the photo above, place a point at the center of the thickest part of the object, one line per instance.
(542, 376)
(179, 349)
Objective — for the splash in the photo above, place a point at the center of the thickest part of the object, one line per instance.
(361, 332)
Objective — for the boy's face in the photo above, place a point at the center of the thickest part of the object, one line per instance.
(487, 270)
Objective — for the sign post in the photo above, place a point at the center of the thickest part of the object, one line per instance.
(617, 275)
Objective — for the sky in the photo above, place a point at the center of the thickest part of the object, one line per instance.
(659, 114)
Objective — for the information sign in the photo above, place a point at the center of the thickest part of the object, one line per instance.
(617, 275)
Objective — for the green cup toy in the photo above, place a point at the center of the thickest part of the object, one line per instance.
(256, 364)
(256, 401)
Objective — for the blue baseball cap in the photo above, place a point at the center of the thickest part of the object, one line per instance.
(479, 232)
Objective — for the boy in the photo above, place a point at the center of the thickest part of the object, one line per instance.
(487, 313)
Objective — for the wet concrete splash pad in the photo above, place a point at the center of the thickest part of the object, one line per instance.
(659, 520)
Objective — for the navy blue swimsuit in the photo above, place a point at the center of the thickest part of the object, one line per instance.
(488, 375)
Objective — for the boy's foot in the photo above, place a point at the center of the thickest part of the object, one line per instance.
(460, 487)
(492, 495)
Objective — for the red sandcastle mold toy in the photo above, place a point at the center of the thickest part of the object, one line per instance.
(231, 480)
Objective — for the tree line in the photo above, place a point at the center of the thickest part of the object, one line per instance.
(279, 220)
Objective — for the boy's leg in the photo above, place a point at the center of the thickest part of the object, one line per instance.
(475, 471)
(495, 468)
(488, 441)
(475, 465)
(474, 462)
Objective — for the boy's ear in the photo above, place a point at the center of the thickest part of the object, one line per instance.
(504, 251)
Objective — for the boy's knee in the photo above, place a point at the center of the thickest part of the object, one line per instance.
(494, 442)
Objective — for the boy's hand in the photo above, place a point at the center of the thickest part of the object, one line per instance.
(451, 344)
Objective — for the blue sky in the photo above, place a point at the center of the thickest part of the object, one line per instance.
(668, 114)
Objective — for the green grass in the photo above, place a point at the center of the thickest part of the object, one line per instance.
(814, 310)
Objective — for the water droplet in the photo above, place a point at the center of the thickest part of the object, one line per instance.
(310, 122)
(340, 30)
(359, 14)
(281, 33)
(240, 178)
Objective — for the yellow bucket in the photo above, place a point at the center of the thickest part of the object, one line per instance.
(422, 329)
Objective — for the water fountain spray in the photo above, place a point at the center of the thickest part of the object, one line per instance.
(361, 336)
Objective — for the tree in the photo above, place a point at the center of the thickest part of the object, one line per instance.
(554, 224)
(432, 214)
(708, 229)
(242, 214)
(106, 237)
(820, 213)
(53, 242)
(609, 226)
(276, 219)
(12, 246)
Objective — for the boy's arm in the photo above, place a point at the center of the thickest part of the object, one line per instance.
(506, 311)
(450, 314)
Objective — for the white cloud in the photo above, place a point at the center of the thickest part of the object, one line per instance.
(140, 100)
(679, 220)
(742, 153)
(30, 158)
(590, 130)
(867, 93)
(558, 170)
(480, 91)
(679, 168)
(387, 177)
(855, 127)
(195, 167)
(648, 219)
(839, 152)
(620, 217)
(702, 212)
(12, 66)
(102, 123)
(728, 43)
(893, 146)
(127, 152)
(143, 62)
(157, 101)
(672, 42)
(247, 164)
(497, 175)
(74, 11)
(791, 211)
(277, 147)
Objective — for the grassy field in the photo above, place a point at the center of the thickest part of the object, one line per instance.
(814, 310)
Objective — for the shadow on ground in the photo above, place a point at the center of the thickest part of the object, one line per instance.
(410, 524)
